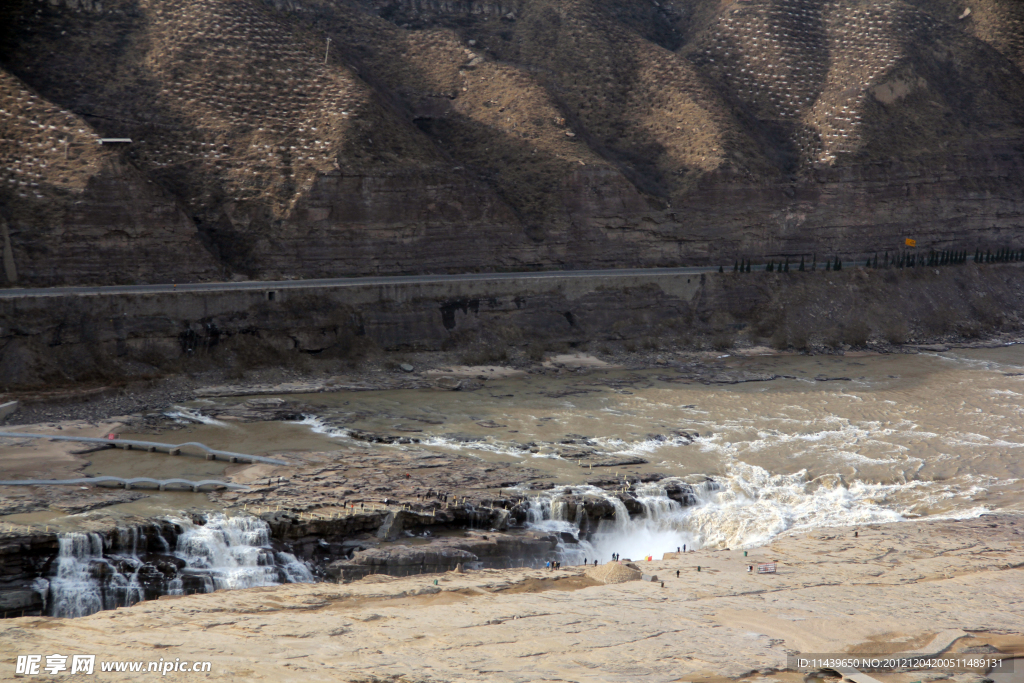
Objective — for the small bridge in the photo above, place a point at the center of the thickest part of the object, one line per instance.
(151, 446)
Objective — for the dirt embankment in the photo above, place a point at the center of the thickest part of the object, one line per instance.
(865, 307)
(132, 352)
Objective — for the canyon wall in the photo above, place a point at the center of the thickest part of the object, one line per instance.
(465, 136)
(101, 337)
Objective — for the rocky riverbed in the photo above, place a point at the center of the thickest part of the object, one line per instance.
(571, 463)
(443, 371)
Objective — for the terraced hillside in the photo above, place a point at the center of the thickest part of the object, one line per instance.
(311, 138)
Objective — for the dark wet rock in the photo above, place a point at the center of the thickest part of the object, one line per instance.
(739, 377)
(445, 554)
(463, 438)
(373, 437)
(716, 374)
(633, 506)
(21, 601)
(681, 493)
(572, 391)
(398, 561)
(567, 537)
(580, 440)
(597, 459)
(457, 384)
(430, 420)
(395, 523)
(23, 559)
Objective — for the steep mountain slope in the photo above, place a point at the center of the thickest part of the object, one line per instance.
(433, 135)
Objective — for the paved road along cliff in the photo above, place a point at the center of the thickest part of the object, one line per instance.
(351, 282)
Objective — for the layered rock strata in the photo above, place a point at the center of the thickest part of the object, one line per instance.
(497, 136)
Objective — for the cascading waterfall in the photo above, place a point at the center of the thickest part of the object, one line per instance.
(550, 514)
(746, 507)
(660, 528)
(74, 592)
(226, 552)
(234, 552)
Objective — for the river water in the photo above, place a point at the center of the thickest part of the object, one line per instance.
(814, 442)
(833, 440)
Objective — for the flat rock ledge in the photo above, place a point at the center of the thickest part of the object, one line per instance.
(899, 587)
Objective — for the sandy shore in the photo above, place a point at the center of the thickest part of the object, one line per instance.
(913, 586)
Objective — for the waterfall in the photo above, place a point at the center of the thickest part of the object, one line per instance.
(538, 509)
(225, 552)
(745, 507)
(73, 591)
(560, 510)
(660, 528)
(294, 569)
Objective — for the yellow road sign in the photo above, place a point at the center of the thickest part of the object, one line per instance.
(911, 243)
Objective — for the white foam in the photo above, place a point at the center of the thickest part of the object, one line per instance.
(641, 447)
(188, 415)
(971, 513)
(748, 507)
(485, 445)
(226, 552)
(318, 426)
(825, 436)
(73, 591)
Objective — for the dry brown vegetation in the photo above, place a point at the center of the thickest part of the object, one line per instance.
(235, 111)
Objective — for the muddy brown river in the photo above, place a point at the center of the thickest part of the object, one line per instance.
(830, 440)
(768, 444)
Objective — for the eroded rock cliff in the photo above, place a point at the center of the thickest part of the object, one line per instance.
(313, 138)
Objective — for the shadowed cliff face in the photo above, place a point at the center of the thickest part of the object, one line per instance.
(62, 340)
(438, 136)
